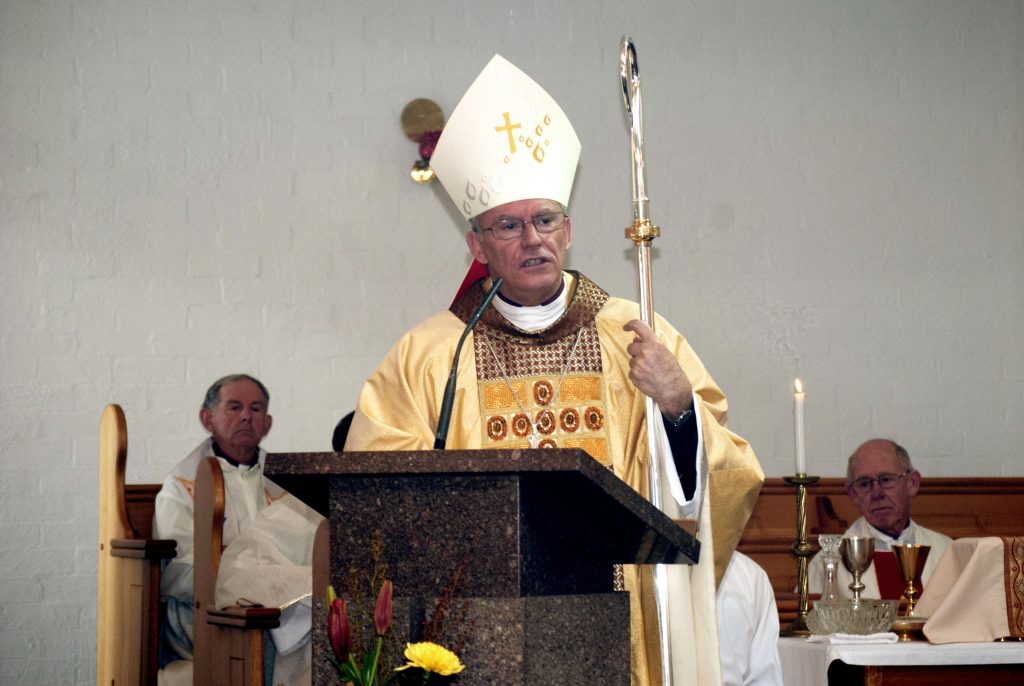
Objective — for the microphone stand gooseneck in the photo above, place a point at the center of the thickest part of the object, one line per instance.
(445, 417)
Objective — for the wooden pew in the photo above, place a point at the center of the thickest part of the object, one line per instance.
(128, 597)
(958, 507)
(227, 644)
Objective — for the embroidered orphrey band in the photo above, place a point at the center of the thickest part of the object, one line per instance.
(1013, 573)
(545, 388)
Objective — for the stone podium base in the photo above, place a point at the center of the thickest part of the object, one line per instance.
(565, 640)
(537, 534)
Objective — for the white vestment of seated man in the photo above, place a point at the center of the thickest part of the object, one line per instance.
(748, 626)
(270, 564)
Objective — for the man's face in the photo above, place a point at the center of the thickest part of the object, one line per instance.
(531, 265)
(886, 510)
(240, 420)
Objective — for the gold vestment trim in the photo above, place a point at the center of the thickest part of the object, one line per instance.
(1013, 574)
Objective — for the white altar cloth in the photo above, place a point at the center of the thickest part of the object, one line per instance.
(806, 664)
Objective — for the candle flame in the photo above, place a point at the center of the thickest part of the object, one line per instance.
(799, 386)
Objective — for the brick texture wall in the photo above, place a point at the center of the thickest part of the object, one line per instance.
(189, 189)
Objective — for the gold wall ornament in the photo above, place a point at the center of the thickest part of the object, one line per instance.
(421, 172)
(420, 116)
(422, 121)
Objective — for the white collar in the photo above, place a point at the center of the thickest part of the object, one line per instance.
(884, 540)
(535, 317)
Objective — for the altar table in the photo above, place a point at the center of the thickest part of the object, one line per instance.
(913, 663)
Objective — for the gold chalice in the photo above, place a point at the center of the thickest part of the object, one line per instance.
(910, 558)
(857, 552)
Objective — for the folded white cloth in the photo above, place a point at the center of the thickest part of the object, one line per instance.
(972, 596)
(270, 564)
(837, 639)
(176, 673)
(294, 631)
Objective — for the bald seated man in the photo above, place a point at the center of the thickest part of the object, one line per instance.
(882, 482)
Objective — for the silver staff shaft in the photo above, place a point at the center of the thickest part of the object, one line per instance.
(642, 232)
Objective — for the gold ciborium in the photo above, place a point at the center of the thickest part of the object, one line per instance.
(910, 558)
(857, 552)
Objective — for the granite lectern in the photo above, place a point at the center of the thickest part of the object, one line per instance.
(541, 531)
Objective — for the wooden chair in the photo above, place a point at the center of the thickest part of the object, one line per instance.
(227, 644)
(128, 598)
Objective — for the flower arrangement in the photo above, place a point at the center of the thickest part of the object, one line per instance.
(427, 662)
(364, 645)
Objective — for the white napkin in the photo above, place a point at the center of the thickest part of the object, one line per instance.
(849, 639)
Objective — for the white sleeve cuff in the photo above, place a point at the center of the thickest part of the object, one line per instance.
(670, 476)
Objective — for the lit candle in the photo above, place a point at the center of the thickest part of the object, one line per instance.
(798, 428)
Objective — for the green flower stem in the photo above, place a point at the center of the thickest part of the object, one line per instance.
(376, 657)
(357, 677)
(347, 672)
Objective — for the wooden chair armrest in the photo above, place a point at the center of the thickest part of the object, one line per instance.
(245, 617)
(322, 559)
(143, 549)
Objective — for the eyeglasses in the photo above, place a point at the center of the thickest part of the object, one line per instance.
(865, 484)
(508, 229)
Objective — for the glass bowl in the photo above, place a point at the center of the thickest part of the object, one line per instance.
(847, 617)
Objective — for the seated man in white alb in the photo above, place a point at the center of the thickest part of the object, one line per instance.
(881, 481)
(748, 626)
(235, 412)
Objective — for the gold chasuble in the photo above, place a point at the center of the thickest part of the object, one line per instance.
(568, 386)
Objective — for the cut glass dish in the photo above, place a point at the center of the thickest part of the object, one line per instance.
(847, 617)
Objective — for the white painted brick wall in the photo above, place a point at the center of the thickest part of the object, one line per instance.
(192, 189)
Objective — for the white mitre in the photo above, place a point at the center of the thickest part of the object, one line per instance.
(507, 140)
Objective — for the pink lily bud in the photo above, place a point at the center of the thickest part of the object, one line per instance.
(382, 612)
(338, 630)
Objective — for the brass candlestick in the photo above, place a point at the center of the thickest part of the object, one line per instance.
(802, 550)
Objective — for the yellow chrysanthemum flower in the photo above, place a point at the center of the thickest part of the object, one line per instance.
(431, 657)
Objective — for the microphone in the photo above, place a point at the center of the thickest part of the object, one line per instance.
(445, 418)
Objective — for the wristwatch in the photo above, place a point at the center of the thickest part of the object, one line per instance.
(678, 422)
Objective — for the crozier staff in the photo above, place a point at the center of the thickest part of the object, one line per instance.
(558, 362)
